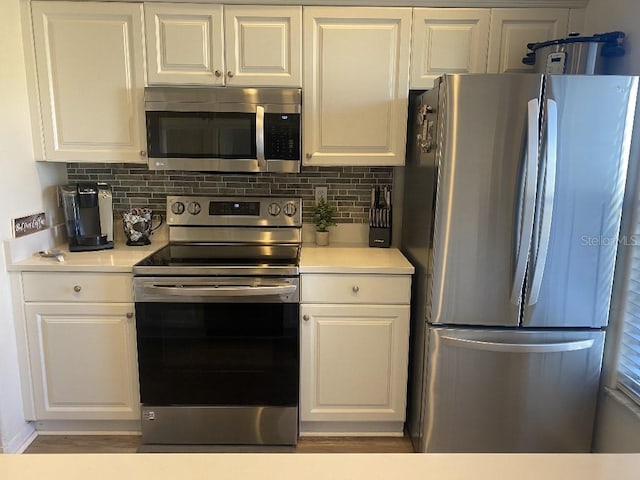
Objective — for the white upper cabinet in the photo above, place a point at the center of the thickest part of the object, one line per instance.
(513, 28)
(576, 20)
(356, 84)
(184, 43)
(263, 45)
(239, 45)
(448, 40)
(90, 63)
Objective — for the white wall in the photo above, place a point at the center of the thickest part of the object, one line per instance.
(25, 188)
(618, 422)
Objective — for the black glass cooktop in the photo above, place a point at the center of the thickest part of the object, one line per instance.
(234, 255)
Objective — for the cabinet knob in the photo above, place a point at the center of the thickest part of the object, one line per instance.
(309, 155)
(217, 73)
(356, 288)
(305, 318)
(143, 153)
(230, 74)
(77, 288)
(129, 314)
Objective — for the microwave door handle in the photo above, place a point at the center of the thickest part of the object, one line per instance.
(262, 163)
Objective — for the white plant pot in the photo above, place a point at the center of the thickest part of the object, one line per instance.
(322, 239)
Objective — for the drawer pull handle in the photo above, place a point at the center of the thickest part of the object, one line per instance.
(77, 288)
(305, 318)
(356, 289)
(129, 314)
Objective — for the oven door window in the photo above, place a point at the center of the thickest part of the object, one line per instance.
(201, 135)
(217, 353)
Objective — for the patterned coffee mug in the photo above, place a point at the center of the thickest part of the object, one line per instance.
(138, 225)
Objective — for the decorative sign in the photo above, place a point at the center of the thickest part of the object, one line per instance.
(30, 224)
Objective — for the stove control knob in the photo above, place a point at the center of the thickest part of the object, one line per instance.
(290, 209)
(177, 208)
(194, 208)
(274, 209)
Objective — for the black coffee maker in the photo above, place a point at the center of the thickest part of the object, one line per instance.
(88, 211)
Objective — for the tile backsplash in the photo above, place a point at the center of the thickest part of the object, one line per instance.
(135, 185)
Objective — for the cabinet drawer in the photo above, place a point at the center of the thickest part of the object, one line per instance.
(372, 289)
(77, 287)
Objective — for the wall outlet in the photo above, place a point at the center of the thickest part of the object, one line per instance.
(321, 192)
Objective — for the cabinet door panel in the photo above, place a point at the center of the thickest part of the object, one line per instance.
(366, 379)
(448, 40)
(353, 364)
(83, 361)
(91, 78)
(513, 28)
(356, 85)
(184, 44)
(263, 45)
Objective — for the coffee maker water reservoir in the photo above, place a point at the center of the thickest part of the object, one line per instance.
(88, 211)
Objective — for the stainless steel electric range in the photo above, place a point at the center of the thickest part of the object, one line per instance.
(217, 324)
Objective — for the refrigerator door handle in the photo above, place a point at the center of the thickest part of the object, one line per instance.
(519, 347)
(547, 201)
(528, 201)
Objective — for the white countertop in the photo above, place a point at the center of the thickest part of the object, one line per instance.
(332, 259)
(341, 259)
(121, 258)
(319, 466)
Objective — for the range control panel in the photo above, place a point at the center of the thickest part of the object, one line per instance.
(191, 210)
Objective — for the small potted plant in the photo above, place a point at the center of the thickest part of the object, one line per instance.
(323, 218)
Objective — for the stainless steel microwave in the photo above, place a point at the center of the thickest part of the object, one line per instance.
(223, 129)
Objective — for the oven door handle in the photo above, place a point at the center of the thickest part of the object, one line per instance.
(221, 291)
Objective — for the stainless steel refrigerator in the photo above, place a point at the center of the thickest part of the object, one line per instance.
(511, 214)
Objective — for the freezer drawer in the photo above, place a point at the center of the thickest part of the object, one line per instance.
(510, 391)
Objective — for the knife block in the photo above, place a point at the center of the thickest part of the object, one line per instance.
(380, 237)
(380, 226)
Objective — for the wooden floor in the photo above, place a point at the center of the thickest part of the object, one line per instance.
(130, 444)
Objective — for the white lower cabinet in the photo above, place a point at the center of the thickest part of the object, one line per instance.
(81, 351)
(353, 360)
